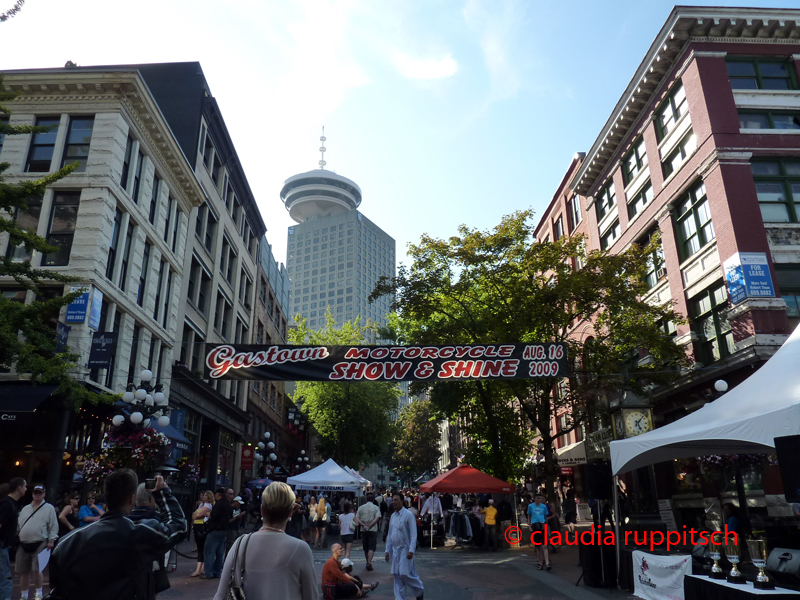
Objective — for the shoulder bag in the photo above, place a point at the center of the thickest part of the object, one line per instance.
(30, 547)
(236, 591)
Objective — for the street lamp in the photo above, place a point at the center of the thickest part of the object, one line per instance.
(146, 402)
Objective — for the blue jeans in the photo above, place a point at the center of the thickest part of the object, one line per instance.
(5, 575)
(215, 553)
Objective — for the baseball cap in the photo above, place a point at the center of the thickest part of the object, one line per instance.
(38, 488)
(237, 499)
(346, 562)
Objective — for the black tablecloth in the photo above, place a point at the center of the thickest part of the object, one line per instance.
(700, 587)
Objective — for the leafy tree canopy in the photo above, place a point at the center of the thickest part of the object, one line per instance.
(501, 286)
(416, 445)
(352, 419)
(27, 332)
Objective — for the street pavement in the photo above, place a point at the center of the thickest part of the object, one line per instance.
(449, 573)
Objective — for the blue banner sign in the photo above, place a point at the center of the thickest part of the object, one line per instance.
(97, 310)
(748, 276)
(76, 311)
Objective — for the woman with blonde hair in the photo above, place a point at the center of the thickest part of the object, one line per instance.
(199, 519)
(321, 520)
(277, 566)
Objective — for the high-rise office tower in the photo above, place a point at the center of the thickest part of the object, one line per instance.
(335, 254)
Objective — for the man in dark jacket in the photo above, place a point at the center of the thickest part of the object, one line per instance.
(217, 527)
(113, 557)
(9, 510)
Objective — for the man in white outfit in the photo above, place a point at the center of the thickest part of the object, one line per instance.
(434, 506)
(400, 545)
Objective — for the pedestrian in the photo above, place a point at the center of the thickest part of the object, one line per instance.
(9, 511)
(335, 582)
(368, 517)
(38, 528)
(570, 510)
(433, 506)
(68, 517)
(490, 527)
(347, 569)
(237, 514)
(321, 520)
(199, 520)
(400, 545)
(537, 517)
(346, 528)
(217, 527)
(387, 519)
(90, 512)
(113, 557)
(145, 510)
(277, 566)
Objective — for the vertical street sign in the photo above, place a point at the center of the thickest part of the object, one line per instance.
(62, 335)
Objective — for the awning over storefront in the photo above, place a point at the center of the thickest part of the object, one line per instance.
(572, 455)
(19, 398)
(746, 420)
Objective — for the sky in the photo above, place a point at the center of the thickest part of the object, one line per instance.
(444, 112)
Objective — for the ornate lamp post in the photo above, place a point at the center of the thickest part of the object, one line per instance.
(147, 402)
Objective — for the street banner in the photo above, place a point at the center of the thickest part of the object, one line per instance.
(748, 276)
(659, 577)
(62, 336)
(386, 363)
(102, 352)
(77, 309)
(247, 458)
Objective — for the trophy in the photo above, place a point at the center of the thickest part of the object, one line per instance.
(715, 553)
(758, 554)
(732, 553)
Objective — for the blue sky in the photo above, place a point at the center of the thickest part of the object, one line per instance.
(444, 112)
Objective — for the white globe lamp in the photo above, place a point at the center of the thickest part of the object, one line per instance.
(273, 457)
(146, 376)
(163, 421)
(140, 394)
(148, 401)
(721, 386)
(160, 398)
(118, 420)
(260, 445)
(271, 445)
(136, 418)
(128, 397)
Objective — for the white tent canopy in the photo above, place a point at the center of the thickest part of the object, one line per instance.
(746, 420)
(328, 477)
(354, 473)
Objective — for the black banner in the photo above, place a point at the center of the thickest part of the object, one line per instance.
(102, 352)
(62, 335)
(386, 363)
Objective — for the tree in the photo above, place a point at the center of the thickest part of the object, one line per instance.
(501, 287)
(352, 419)
(11, 12)
(27, 331)
(416, 446)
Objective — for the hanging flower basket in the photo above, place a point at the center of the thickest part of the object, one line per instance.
(188, 472)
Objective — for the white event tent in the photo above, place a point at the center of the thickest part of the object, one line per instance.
(745, 420)
(328, 477)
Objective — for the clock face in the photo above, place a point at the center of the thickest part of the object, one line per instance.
(637, 422)
(619, 426)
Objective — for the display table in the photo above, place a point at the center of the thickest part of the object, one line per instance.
(700, 587)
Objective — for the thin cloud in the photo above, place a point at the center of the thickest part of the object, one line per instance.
(425, 68)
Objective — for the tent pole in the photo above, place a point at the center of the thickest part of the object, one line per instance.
(615, 491)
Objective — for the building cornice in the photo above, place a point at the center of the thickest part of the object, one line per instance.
(685, 24)
(96, 89)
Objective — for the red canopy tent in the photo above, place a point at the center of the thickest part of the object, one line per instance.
(466, 479)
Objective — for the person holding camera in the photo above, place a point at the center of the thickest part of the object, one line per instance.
(38, 528)
(113, 556)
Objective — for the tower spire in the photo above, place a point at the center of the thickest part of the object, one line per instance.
(322, 139)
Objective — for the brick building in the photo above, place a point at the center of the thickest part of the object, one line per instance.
(702, 146)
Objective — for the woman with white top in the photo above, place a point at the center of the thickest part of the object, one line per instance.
(346, 528)
(199, 519)
(277, 566)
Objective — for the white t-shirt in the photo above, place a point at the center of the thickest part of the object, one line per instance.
(346, 524)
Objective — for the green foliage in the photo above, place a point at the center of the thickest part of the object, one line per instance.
(416, 445)
(500, 287)
(352, 419)
(11, 12)
(27, 331)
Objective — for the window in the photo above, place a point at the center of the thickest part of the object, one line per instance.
(788, 279)
(126, 254)
(137, 178)
(766, 119)
(708, 313)
(126, 164)
(158, 291)
(778, 188)
(611, 234)
(112, 250)
(558, 228)
(674, 107)
(211, 229)
(655, 259)
(27, 220)
(606, 199)
(167, 299)
(575, 215)
(635, 160)
(760, 74)
(178, 214)
(154, 200)
(202, 293)
(695, 228)
(208, 153)
(678, 156)
(640, 200)
(78, 140)
(170, 204)
(134, 351)
(62, 227)
(140, 295)
(42, 146)
(216, 170)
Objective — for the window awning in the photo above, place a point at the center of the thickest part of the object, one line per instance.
(569, 456)
(18, 398)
